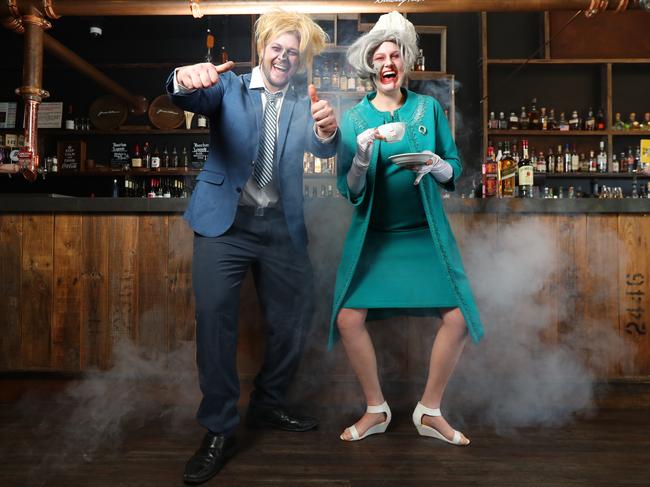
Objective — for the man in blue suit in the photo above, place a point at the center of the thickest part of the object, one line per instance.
(247, 213)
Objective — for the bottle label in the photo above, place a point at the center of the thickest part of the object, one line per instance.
(526, 176)
(155, 162)
(136, 162)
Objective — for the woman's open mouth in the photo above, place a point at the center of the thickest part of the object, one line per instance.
(388, 76)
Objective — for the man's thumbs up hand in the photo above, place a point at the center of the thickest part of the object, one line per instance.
(322, 113)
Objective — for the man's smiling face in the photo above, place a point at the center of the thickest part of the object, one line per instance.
(280, 60)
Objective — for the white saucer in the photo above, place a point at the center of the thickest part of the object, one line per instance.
(410, 159)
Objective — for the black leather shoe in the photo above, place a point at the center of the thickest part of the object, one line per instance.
(279, 418)
(213, 454)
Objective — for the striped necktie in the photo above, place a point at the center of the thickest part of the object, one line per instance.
(263, 169)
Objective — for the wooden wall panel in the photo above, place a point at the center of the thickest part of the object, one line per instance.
(67, 312)
(548, 295)
(601, 322)
(153, 242)
(634, 289)
(571, 297)
(36, 294)
(180, 315)
(11, 229)
(123, 278)
(608, 35)
(96, 340)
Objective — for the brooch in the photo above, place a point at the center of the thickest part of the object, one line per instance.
(422, 129)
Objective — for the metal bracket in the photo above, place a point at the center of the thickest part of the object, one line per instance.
(32, 90)
(195, 8)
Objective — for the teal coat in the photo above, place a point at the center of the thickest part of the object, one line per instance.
(426, 129)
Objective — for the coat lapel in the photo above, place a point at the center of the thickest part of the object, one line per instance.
(285, 118)
(256, 99)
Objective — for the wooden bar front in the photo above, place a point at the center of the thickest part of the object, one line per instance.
(75, 284)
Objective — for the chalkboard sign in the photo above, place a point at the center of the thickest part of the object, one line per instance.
(72, 155)
(119, 154)
(199, 154)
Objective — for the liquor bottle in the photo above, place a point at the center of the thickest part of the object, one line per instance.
(184, 162)
(419, 61)
(600, 120)
(602, 158)
(593, 162)
(155, 160)
(567, 159)
(646, 121)
(633, 123)
(223, 55)
(541, 162)
(492, 122)
(590, 122)
(514, 153)
(533, 158)
(552, 121)
(507, 171)
(69, 119)
(164, 160)
(174, 159)
(543, 119)
(352, 80)
(623, 162)
(618, 122)
(146, 156)
(209, 44)
(326, 80)
(513, 121)
(615, 166)
(550, 161)
(489, 172)
(335, 81)
(202, 121)
(499, 155)
(524, 121)
(584, 162)
(343, 81)
(563, 124)
(575, 160)
(574, 121)
(116, 189)
(526, 177)
(630, 159)
(503, 123)
(534, 116)
(136, 159)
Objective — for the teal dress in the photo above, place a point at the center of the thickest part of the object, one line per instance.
(400, 256)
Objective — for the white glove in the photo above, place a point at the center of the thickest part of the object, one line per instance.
(365, 141)
(437, 166)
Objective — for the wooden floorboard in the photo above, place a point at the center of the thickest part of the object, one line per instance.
(37, 448)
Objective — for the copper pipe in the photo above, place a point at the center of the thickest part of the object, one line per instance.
(32, 91)
(138, 104)
(227, 7)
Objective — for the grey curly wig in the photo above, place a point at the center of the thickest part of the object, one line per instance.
(361, 51)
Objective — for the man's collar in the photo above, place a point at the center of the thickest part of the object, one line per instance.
(257, 81)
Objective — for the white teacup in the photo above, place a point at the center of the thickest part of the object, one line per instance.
(393, 132)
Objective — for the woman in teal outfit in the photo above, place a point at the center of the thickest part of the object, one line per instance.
(400, 256)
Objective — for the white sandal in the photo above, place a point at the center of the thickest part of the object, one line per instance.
(375, 429)
(424, 430)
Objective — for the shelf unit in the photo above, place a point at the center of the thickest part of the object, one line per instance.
(606, 65)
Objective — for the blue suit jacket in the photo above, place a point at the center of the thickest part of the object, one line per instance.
(235, 114)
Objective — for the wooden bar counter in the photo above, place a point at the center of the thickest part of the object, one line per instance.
(80, 274)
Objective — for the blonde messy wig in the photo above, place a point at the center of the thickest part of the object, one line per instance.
(272, 24)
